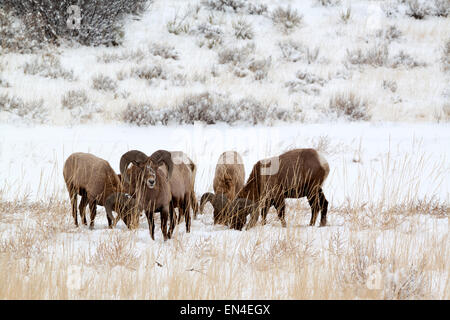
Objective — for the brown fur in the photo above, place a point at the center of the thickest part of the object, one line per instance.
(178, 192)
(299, 173)
(229, 176)
(93, 179)
(231, 213)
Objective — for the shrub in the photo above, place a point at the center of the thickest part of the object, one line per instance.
(328, 3)
(256, 8)
(101, 23)
(178, 25)
(32, 111)
(125, 55)
(418, 10)
(442, 8)
(390, 84)
(306, 82)
(390, 34)
(404, 59)
(164, 51)
(210, 109)
(14, 36)
(224, 5)
(211, 35)
(49, 66)
(376, 56)
(79, 105)
(243, 30)
(103, 83)
(345, 15)
(292, 51)
(235, 55)
(288, 19)
(350, 106)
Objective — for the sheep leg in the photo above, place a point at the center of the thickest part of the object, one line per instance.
(264, 211)
(82, 206)
(151, 223)
(314, 203)
(73, 200)
(93, 210)
(194, 204)
(164, 218)
(323, 207)
(281, 208)
(173, 221)
(187, 215)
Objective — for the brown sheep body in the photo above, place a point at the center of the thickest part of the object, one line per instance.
(232, 213)
(294, 174)
(93, 179)
(229, 176)
(176, 192)
(126, 207)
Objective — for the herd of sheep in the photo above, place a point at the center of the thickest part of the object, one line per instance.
(164, 181)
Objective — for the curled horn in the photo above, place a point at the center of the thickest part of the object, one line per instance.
(135, 156)
(163, 156)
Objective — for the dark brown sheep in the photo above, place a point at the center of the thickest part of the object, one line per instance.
(231, 213)
(177, 191)
(126, 208)
(294, 174)
(93, 179)
(229, 176)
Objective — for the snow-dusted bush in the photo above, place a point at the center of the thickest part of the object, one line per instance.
(210, 109)
(101, 21)
(235, 55)
(103, 83)
(178, 25)
(148, 72)
(32, 111)
(79, 105)
(164, 51)
(417, 9)
(259, 67)
(404, 59)
(390, 84)
(286, 18)
(224, 5)
(243, 30)
(14, 37)
(445, 59)
(210, 35)
(441, 8)
(350, 106)
(292, 51)
(376, 56)
(328, 3)
(390, 34)
(345, 15)
(49, 66)
(306, 82)
(256, 8)
(136, 55)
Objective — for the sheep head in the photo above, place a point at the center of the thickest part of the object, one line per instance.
(147, 165)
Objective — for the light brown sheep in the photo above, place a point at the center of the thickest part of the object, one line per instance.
(93, 179)
(229, 176)
(294, 174)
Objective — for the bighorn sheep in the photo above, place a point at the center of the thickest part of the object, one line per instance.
(175, 189)
(231, 213)
(126, 207)
(294, 174)
(93, 179)
(229, 177)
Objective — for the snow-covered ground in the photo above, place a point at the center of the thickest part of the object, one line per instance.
(388, 191)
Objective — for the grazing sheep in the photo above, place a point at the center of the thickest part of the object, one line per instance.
(294, 174)
(231, 213)
(93, 179)
(126, 207)
(175, 188)
(229, 177)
